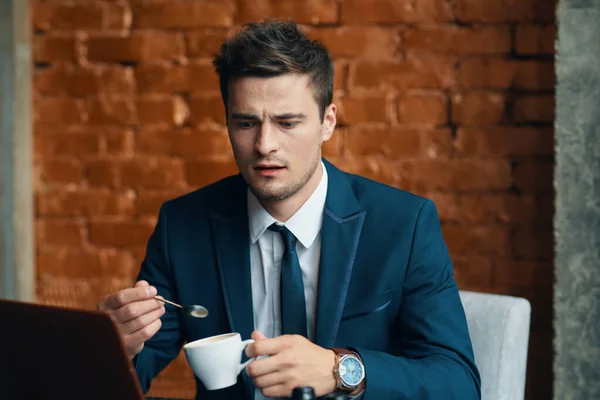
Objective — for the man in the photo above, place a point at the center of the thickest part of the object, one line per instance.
(320, 267)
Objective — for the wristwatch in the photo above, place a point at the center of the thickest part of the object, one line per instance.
(349, 370)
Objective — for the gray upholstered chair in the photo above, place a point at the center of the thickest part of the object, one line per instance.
(499, 329)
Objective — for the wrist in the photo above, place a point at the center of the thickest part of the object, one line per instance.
(333, 382)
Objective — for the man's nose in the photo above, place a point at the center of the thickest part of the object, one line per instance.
(266, 140)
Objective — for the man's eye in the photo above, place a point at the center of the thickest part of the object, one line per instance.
(245, 124)
(288, 124)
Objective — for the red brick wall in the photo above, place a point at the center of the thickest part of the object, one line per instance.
(452, 99)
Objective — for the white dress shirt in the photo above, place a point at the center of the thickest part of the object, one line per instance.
(266, 251)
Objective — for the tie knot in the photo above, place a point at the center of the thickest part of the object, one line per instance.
(289, 240)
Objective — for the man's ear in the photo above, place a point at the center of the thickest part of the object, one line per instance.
(329, 121)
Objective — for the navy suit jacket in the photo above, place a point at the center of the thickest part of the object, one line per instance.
(386, 286)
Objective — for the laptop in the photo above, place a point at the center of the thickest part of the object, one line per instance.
(49, 352)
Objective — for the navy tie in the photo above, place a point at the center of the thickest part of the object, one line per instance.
(293, 304)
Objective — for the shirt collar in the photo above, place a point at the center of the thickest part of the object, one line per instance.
(305, 224)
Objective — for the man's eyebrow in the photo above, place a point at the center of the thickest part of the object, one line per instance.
(290, 115)
(244, 116)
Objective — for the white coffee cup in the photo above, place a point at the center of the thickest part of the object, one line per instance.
(217, 360)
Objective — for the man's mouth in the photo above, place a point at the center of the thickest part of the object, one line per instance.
(269, 170)
(268, 166)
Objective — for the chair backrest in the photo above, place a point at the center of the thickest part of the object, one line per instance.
(499, 329)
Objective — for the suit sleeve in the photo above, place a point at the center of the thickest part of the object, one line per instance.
(431, 355)
(165, 345)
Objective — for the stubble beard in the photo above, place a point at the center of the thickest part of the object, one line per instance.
(270, 193)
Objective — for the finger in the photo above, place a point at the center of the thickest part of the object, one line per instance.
(141, 335)
(269, 365)
(126, 296)
(257, 335)
(272, 346)
(106, 303)
(250, 352)
(262, 367)
(268, 380)
(142, 321)
(133, 351)
(136, 309)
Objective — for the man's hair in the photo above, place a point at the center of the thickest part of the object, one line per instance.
(272, 48)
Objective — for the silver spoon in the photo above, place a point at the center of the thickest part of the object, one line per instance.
(194, 310)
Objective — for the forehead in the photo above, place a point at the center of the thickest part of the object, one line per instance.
(285, 91)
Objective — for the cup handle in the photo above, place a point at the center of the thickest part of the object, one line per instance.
(243, 345)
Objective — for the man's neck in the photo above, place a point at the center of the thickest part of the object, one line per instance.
(283, 210)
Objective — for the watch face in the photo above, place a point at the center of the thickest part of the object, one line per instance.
(351, 371)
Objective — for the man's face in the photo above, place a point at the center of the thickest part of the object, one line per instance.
(276, 133)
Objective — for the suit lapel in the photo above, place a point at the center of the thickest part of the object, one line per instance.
(232, 246)
(342, 224)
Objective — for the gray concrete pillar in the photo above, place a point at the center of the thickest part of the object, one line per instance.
(16, 147)
(577, 220)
